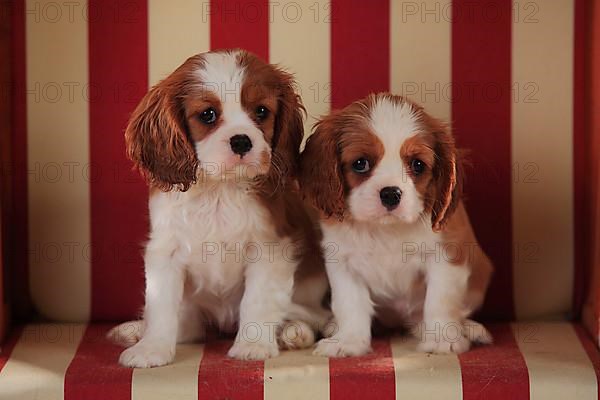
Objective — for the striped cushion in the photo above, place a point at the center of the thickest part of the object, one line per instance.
(508, 75)
(541, 361)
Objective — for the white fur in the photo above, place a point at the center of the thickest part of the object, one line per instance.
(393, 124)
(202, 235)
(391, 264)
(213, 256)
(222, 76)
(381, 266)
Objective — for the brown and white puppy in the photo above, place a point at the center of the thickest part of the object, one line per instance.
(230, 242)
(386, 177)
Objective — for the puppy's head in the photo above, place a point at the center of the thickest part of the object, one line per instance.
(382, 159)
(223, 115)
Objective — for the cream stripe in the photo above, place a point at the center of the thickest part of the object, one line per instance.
(559, 367)
(177, 30)
(299, 40)
(286, 376)
(542, 145)
(37, 366)
(178, 380)
(423, 376)
(420, 53)
(58, 159)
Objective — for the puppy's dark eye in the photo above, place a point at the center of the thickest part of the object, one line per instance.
(208, 116)
(262, 113)
(361, 165)
(417, 166)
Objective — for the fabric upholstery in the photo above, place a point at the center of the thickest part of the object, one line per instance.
(5, 150)
(591, 313)
(538, 361)
(484, 68)
(3, 296)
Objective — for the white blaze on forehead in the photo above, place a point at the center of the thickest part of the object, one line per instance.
(393, 123)
(222, 75)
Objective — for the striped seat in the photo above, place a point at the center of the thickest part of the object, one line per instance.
(537, 361)
(508, 76)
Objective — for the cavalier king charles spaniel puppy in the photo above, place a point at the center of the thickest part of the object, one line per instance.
(386, 178)
(230, 242)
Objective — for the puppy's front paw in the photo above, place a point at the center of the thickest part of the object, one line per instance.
(147, 354)
(442, 345)
(243, 350)
(336, 347)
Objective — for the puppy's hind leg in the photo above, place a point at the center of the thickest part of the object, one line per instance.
(295, 335)
(306, 316)
(300, 329)
(190, 328)
(127, 334)
(476, 332)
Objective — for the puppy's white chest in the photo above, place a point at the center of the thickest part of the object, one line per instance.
(388, 260)
(212, 230)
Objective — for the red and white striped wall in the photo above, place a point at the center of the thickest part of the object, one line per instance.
(506, 74)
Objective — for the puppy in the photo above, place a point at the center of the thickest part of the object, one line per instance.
(386, 178)
(230, 243)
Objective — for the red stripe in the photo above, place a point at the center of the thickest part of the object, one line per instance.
(18, 223)
(240, 24)
(94, 372)
(9, 345)
(118, 58)
(591, 350)
(481, 93)
(581, 164)
(360, 49)
(495, 372)
(593, 104)
(220, 377)
(368, 377)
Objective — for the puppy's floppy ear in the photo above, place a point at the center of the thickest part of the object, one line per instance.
(321, 179)
(448, 176)
(288, 129)
(157, 140)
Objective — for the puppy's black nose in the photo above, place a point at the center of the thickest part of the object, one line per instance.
(240, 144)
(390, 197)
